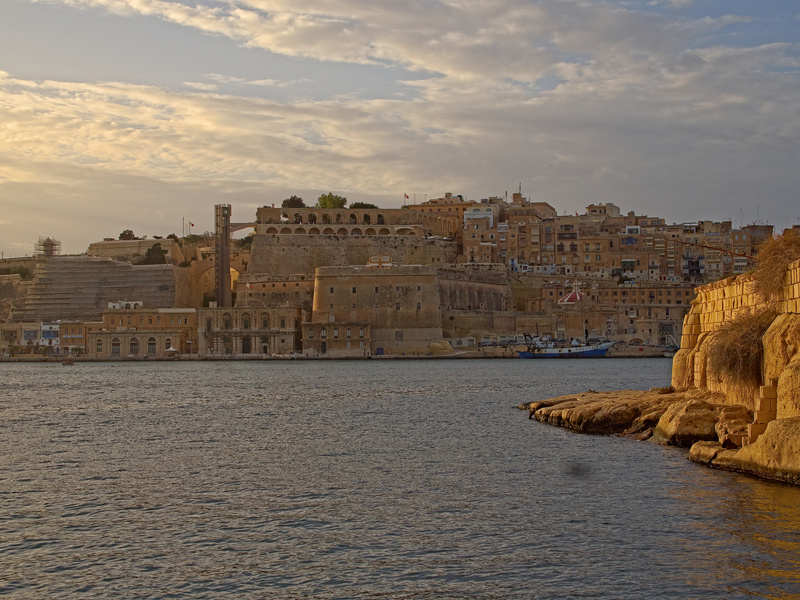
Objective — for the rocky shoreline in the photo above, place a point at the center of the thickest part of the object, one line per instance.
(693, 419)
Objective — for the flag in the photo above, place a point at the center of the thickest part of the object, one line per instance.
(406, 195)
(191, 224)
(249, 287)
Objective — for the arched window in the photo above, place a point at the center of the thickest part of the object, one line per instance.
(367, 220)
(264, 321)
(226, 321)
(381, 220)
(99, 347)
(246, 345)
(151, 346)
(134, 346)
(115, 347)
(167, 343)
(353, 220)
(245, 321)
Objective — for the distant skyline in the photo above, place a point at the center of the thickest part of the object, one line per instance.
(135, 114)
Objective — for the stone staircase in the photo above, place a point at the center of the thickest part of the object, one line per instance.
(766, 411)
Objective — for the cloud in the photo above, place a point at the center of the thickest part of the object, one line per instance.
(501, 39)
(580, 101)
(203, 87)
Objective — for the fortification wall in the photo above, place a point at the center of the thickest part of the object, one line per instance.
(81, 287)
(130, 248)
(722, 302)
(292, 254)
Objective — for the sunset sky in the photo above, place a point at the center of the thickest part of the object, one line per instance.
(136, 114)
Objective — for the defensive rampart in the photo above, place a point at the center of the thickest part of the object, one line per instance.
(80, 287)
(291, 254)
(723, 302)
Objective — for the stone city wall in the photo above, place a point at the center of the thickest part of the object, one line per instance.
(724, 301)
(292, 254)
(80, 287)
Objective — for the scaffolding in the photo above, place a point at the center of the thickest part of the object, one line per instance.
(47, 247)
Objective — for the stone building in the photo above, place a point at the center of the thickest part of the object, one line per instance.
(143, 333)
(397, 305)
(253, 332)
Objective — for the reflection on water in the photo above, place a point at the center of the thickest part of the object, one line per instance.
(374, 479)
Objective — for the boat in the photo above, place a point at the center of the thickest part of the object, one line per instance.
(538, 347)
(68, 361)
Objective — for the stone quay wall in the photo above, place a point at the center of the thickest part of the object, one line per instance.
(724, 301)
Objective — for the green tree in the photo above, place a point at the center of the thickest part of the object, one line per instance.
(155, 255)
(23, 272)
(246, 242)
(127, 235)
(294, 202)
(362, 205)
(330, 200)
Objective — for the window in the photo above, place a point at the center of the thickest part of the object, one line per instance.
(376, 289)
(150, 321)
(99, 347)
(361, 333)
(151, 346)
(283, 323)
(354, 290)
(134, 346)
(336, 334)
(347, 334)
(323, 333)
(311, 334)
(246, 322)
(167, 343)
(114, 347)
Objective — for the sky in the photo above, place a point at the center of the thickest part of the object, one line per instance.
(144, 114)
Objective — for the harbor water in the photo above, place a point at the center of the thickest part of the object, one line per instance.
(407, 479)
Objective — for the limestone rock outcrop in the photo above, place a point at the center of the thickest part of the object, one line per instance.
(685, 423)
(789, 389)
(671, 418)
(774, 455)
